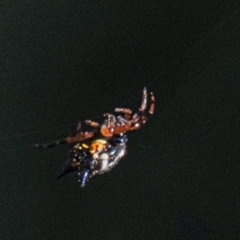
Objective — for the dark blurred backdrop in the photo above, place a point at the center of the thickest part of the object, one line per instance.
(65, 61)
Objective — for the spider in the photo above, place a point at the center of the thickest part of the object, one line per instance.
(98, 150)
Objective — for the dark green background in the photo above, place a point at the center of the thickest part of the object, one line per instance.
(65, 61)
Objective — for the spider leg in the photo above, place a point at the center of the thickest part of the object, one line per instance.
(127, 123)
(143, 112)
(79, 126)
(127, 112)
(83, 135)
(144, 101)
(80, 132)
(142, 109)
(79, 136)
(152, 104)
(92, 123)
(111, 120)
(141, 117)
(122, 121)
(50, 145)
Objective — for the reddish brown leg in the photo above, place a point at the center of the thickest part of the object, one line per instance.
(92, 123)
(127, 112)
(80, 136)
(144, 101)
(111, 119)
(152, 104)
(122, 121)
(138, 120)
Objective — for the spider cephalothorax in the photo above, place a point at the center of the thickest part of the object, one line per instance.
(98, 150)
